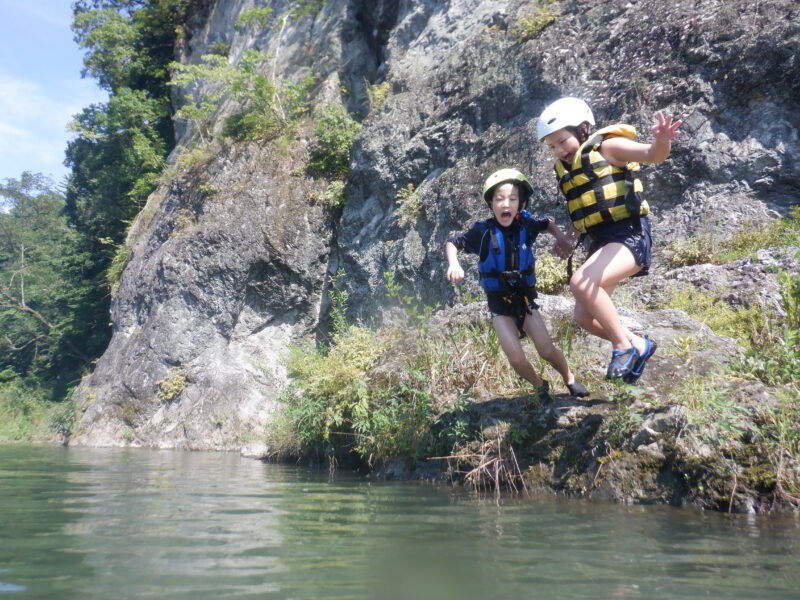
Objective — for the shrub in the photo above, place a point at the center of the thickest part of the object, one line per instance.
(551, 273)
(186, 158)
(122, 255)
(172, 385)
(409, 205)
(255, 17)
(334, 135)
(330, 396)
(395, 391)
(62, 417)
(377, 95)
(221, 48)
(24, 410)
(332, 196)
(268, 108)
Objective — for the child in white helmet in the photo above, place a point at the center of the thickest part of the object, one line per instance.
(597, 175)
(504, 245)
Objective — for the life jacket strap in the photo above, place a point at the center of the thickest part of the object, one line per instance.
(508, 275)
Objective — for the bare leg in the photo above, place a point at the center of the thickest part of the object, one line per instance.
(585, 320)
(535, 328)
(592, 285)
(508, 336)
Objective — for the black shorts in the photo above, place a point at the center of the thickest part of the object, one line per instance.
(634, 233)
(516, 307)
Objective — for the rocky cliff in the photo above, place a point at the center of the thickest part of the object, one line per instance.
(230, 260)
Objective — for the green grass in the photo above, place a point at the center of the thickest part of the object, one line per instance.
(372, 394)
(713, 311)
(705, 248)
(774, 356)
(27, 412)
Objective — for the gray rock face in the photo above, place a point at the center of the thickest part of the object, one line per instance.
(230, 261)
(220, 281)
(725, 68)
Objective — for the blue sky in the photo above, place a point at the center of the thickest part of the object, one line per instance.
(40, 86)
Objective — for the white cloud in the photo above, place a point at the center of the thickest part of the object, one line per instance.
(33, 125)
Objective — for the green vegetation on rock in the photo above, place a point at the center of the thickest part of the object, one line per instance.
(334, 135)
(267, 108)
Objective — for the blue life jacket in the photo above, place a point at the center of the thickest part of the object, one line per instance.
(493, 274)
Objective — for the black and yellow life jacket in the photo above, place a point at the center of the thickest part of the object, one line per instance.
(598, 192)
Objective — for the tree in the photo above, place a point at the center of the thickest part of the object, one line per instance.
(43, 289)
(121, 146)
(116, 161)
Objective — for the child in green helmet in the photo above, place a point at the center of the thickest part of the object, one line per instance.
(504, 245)
(597, 175)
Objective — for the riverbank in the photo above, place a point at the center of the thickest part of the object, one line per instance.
(713, 423)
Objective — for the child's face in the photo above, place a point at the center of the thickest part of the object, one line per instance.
(505, 203)
(563, 144)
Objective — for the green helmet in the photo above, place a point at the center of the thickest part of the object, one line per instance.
(507, 176)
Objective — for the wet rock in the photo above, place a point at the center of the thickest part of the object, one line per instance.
(670, 421)
(652, 451)
(255, 450)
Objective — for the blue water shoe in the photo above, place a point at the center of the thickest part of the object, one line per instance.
(650, 348)
(622, 363)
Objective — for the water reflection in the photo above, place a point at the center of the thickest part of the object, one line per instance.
(116, 523)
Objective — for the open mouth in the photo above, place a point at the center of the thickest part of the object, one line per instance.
(506, 214)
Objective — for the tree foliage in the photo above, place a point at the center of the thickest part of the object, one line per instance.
(116, 160)
(47, 305)
(129, 43)
(121, 145)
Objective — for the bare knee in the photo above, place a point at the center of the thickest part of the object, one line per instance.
(549, 352)
(518, 361)
(580, 284)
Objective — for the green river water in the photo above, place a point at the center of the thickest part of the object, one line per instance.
(116, 524)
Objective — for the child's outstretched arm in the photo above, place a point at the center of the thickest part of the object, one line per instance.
(619, 150)
(454, 271)
(565, 241)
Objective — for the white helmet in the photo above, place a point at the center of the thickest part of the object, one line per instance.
(566, 112)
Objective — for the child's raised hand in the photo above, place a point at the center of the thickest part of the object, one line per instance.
(666, 128)
(455, 273)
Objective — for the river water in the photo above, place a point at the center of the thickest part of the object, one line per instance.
(116, 524)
